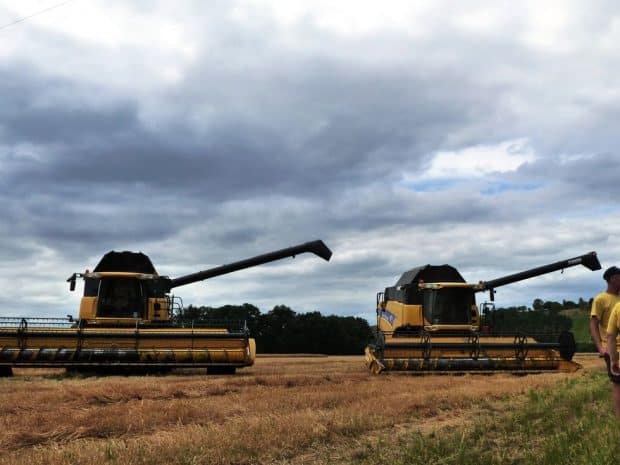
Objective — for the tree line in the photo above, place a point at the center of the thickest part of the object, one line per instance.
(543, 318)
(551, 306)
(282, 330)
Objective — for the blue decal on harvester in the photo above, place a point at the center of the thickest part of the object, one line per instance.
(390, 317)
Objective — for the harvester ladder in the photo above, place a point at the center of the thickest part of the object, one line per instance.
(175, 303)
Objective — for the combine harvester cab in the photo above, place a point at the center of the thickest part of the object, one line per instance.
(128, 322)
(429, 322)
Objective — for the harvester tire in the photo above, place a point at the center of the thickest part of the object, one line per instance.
(221, 370)
(567, 345)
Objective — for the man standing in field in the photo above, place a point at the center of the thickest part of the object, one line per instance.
(601, 308)
(611, 357)
(604, 328)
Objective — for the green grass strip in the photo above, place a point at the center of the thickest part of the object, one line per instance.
(572, 423)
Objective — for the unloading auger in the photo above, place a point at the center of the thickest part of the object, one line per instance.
(127, 320)
(429, 322)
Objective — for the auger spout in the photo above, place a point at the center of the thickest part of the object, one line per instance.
(317, 247)
(589, 260)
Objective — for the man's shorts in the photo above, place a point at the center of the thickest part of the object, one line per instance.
(614, 378)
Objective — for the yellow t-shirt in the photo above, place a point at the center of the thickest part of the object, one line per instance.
(601, 308)
(614, 320)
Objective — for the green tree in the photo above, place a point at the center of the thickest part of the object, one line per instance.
(544, 325)
(274, 334)
(233, 316)
(282, 330)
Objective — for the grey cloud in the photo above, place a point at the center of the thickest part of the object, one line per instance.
(277, 134)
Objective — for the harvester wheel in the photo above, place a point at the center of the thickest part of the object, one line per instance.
(567, 345)
(520, 350)
(6, 371)
(428, 346)
(474, 341)
(380, 339)
(221, 370)
(406, 331)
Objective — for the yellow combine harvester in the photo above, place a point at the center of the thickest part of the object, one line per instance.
(127, 321)
(429, 322)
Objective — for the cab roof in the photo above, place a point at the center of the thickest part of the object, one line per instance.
(130, 262)
(430, 274)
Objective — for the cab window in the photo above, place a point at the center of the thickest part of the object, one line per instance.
(121, 298)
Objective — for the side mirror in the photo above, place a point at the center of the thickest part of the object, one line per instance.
(71, 281)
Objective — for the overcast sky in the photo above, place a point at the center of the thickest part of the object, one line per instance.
(479, 134)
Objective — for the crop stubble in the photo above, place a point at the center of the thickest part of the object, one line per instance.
(281, 410)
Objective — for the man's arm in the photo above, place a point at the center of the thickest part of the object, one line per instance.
(612, 350)
(596, 335)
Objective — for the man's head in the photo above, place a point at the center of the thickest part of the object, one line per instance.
(612, 276)
(611, 272)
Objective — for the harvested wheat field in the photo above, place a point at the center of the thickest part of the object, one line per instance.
(282, 410)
